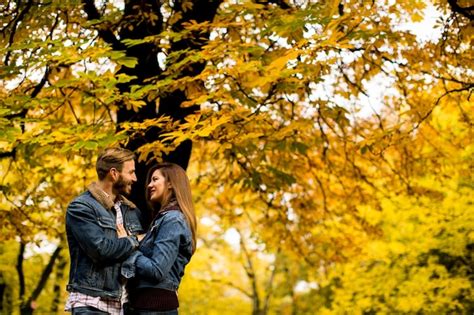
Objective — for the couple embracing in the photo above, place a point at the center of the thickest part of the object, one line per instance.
(118, 267)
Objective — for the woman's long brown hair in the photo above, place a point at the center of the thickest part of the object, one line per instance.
(180, 189)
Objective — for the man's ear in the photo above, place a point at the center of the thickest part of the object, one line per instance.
(114, 173)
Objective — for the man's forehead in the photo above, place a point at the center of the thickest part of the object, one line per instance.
(129, 164)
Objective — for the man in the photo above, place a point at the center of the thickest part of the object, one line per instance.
(102, 229)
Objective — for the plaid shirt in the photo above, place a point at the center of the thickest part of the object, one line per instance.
(110, 306)
(118, 212)
(77, 299)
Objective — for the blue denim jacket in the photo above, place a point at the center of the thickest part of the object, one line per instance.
(95, 250)
(163, 254)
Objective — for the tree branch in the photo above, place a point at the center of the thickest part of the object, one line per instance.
(41, 84)
(281, 3)
(232, 285)
(42, 282)
(269, 287)
(57, 288)
(19, 269)
(465, 11)
(11, 153)
(468, 87)
(104, 32)
(12, 13)
(14, 28)
(249, 269)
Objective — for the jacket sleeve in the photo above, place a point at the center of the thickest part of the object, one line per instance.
(91, 237)
(165, 249)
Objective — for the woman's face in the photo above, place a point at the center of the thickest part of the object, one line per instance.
(157, 187)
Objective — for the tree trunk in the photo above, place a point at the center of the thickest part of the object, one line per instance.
(19, 270)
(26, 307)
(148, 67)
(57, 289)
(3, 290)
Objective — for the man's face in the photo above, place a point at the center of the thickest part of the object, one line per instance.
(126, 178)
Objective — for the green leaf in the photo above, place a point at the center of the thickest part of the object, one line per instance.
(129, 62)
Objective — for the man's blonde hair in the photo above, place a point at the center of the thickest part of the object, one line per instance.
(112, 158)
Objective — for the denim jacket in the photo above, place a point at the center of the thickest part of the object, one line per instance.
(163, 254)
(96, 251)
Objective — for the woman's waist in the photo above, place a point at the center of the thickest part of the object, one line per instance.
(168, 283)
(153, 299)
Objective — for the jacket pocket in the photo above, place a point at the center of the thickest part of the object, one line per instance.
(96, 277)
(134, 228)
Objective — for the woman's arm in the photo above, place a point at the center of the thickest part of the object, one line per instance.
(165, 247)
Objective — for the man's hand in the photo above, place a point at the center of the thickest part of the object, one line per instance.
(140, 237)
(121, 232)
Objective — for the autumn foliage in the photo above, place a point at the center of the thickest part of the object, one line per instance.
(329, 145)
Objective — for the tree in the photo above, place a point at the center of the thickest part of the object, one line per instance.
(273, 95)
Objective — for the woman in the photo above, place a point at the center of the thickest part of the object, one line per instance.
(155, 271)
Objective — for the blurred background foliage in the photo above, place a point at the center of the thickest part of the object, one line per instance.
(329, 144)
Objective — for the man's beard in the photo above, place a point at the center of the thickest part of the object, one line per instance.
(122, 186)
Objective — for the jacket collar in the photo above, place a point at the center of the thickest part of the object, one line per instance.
(172, 205)
(104, 198)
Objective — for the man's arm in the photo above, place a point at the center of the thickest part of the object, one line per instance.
(82, 222)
